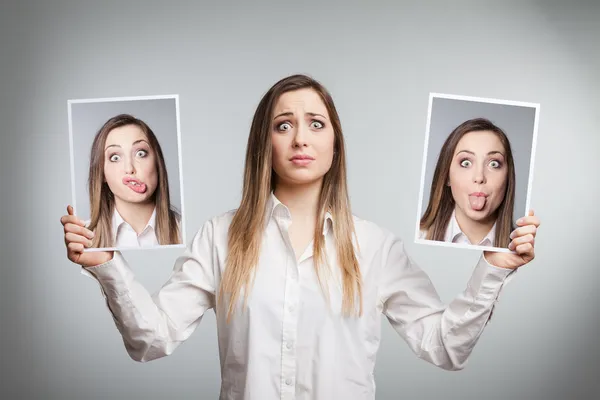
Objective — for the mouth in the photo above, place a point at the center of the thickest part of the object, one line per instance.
(302, 159)
(477, 200)
(134, 184)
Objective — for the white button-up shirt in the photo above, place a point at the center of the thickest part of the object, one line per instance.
(290, 343)
(125, 236)
(454, 234)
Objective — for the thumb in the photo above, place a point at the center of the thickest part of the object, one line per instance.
(69, 210)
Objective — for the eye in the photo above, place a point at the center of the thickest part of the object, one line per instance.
(141, 153)
(316, 124)
(114, 158)
(495, 164)
(285, 126)
(465, 163)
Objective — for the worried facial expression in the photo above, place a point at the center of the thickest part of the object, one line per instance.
(302, 137)
(478, 175)
(130, 165)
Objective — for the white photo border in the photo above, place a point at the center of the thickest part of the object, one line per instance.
(180, 161)
(433, 95)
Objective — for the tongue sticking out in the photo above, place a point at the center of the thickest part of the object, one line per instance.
(138, 188)
(477, 202)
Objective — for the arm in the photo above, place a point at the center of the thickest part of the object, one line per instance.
(153, 326)
(443, 336)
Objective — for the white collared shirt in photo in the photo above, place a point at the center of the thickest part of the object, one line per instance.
(455, 235)
(125, 236)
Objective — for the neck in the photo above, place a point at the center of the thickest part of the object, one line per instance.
(301, 200)
(135, 214)
(474, 230)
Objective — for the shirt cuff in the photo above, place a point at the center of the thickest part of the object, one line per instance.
(113, 275)
(488, 280)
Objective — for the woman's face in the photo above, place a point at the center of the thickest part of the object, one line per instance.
(302, 137)
(478, 175)
(130, 165)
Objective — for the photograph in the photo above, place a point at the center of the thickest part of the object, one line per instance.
(477, 171)
(126, 171)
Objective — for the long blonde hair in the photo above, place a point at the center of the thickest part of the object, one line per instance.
(437, 216)
(102, 201)
(246, 229)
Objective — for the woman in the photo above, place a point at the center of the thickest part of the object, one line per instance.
(297, 282)
(473, 188)
(129, 188)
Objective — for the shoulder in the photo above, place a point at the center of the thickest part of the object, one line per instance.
(216, 227)
(371, 235)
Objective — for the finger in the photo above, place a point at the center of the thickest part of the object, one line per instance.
(69, 210)
(530, 220)
(525, 230)
(74, 238)
(80, 230)
(516, 242)
(75, 247)
(525, 249)
(66, 219)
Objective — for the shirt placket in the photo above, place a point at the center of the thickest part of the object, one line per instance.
(290, 321)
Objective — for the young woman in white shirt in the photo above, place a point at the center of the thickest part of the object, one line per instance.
(129, 188)
(297, 282)
(473, 188)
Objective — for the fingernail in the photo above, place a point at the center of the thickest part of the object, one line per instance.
(520, 221)
(92, 234)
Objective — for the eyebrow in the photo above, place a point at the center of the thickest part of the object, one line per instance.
(289, 114)
(134, 143)
(489, 153)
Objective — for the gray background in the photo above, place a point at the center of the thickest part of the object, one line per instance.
(88, 118)
(516, 121)
(380, 60)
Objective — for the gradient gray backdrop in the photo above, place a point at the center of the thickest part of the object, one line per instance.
(380, 60)
(517, 122)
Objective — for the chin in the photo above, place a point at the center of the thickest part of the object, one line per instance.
(301, 179)
(136, 198)
(479, 216)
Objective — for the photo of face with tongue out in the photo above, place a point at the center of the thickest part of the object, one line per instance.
(128, 181)
(473, 186)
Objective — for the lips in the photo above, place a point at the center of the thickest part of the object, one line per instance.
(302, 159)
(477, 200)
(134, 184)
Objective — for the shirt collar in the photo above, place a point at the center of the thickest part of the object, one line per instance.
(453, 232)
(118, 221)
(276, 209)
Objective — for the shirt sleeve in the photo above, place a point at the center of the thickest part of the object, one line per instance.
(153, 326)
(442, 335)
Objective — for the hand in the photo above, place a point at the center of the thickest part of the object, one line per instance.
(523, 239)
(78, 237)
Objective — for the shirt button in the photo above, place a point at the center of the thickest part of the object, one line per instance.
(289, 345)
(288, 381)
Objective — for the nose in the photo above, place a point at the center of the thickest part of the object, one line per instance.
(479, 175)
(301, 136)
(128, 166)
